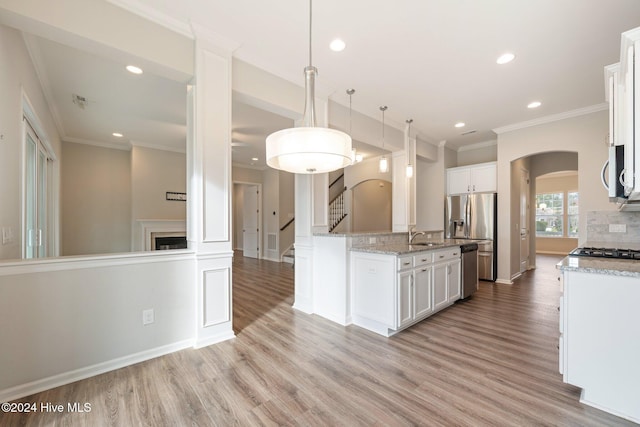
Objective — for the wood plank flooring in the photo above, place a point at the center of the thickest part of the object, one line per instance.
(488, 361)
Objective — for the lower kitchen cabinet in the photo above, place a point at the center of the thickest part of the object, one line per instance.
(599, 340)
(393, 292)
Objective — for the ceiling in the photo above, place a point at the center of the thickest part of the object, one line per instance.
(430, 60)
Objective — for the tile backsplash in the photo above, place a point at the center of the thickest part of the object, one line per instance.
(601, 226)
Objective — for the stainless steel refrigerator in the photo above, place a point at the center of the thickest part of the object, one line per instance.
(474, 216)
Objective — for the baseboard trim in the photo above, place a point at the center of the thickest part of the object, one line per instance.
(64, 378)
(504, 282)
(214, 339)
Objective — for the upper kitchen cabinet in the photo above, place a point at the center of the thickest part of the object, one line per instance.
(480, 178)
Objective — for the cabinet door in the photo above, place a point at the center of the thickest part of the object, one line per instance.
(483, 178)
(422, 292)
(440, 297)
(454, 283)
(458, 181)
(405, 298)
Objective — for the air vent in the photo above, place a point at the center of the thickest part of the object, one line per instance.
(469, 132)
(80, 101)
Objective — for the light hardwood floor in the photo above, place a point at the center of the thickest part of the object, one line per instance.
(488, 361)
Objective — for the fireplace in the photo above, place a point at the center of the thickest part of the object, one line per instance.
(154, 234)
(165, 241)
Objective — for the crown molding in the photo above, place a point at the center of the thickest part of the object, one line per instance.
(124, 146)
(158, 147)
(553, 118)
(153, 15)
(254, 167)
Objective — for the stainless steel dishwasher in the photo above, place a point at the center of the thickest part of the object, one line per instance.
(469, 259)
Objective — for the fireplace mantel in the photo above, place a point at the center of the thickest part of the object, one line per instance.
(148, 229)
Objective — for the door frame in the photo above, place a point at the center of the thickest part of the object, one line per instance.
(260, 217)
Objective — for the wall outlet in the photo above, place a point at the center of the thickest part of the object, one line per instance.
(617, 228)
(372, 240)
(148, 316)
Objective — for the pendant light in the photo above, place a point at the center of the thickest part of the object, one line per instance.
(383, 166)
(308, 149)
(355, 157)
(409, 164)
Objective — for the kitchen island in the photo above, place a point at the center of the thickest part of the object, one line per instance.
(397, 285)
(332, 294)
(600, 332)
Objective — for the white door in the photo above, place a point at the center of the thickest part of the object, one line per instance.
(250, 227)
(524, 220)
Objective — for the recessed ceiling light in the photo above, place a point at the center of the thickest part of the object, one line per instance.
(133, 69)
(255, 159)
(534, 104)
(505, 58)
(337, 45)
(459, 125)
(117, 134)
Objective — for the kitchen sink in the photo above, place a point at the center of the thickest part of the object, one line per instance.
(428, 244)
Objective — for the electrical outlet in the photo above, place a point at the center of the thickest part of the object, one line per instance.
(372, 240)
(147, 316)
(617, 228)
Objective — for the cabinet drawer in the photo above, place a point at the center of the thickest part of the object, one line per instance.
(405, 262)
(423, 259)
(446, 254)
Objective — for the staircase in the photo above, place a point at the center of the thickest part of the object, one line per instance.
(289, 256)
(337, 210)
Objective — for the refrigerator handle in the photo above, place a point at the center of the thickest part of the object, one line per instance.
(467, 217)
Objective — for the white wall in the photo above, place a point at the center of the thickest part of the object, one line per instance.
(78, 319)
(584, 135)
(478, 153)
(95, 200)
(78, 316)
(153, 174)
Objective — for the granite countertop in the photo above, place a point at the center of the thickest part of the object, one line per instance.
(613, 267)
(405, 248)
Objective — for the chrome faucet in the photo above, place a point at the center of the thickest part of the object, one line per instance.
(413, 235)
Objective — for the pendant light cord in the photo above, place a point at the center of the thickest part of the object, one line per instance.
(383, 109)
(310, 24)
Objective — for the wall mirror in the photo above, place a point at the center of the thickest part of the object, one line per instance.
(113, 178)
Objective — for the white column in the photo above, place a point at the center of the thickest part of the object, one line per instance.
(209, 189)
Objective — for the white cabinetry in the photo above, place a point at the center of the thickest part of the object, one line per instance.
(393, 292)
(472, 179)
(600, 340)
(446, 281)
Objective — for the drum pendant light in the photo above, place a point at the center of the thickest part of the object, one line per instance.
(309, 149)
(383, 166)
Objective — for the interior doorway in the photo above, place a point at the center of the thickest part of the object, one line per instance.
(247, 219)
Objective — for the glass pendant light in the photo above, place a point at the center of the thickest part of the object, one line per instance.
(409, 164)
(355, 157)
(383, 166)
(309, 149)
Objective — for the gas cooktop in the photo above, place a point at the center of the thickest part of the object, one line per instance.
(607, 253)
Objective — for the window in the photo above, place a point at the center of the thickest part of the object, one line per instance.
(37, 170)
(551, 215)
(572, 214)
